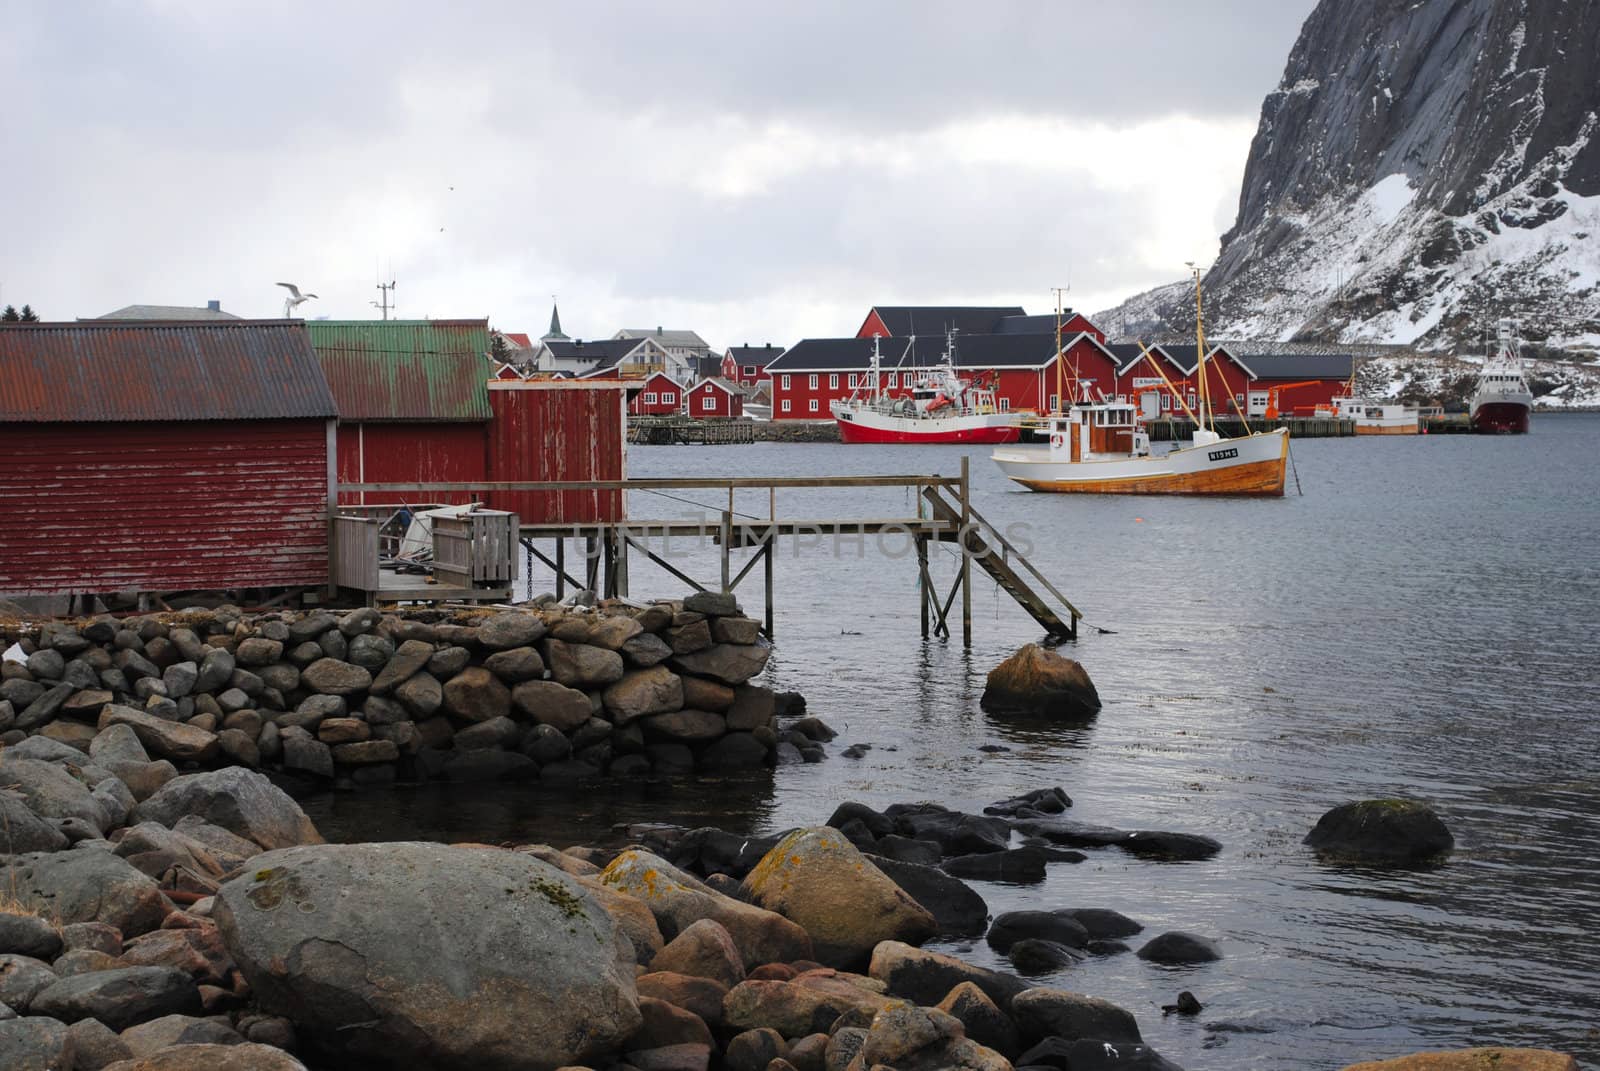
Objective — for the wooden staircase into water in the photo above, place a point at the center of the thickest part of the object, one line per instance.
(983, 543)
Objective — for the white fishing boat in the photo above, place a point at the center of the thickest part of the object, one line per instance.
(1099, 446)
(1502, 402)
(1375, 417)
(940, 407)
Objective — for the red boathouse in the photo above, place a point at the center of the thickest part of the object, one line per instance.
(162, 457)
(715, 397)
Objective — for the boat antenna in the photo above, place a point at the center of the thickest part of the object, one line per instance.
(1200, 344)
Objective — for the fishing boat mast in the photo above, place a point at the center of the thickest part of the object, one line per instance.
(1200, 351)
(1060, 356)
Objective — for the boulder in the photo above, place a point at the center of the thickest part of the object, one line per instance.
(613, 633)
(703, 996)
(1484, 1059)
(701, 694)
(516, 664)
(725, 662)
(686, 725)
(955, 832)
(308, 755)
(1176, 946)
(1042, 1013)
(86, 886)
(1059, 926)
(703, 950)
(216, 669)
(168, 739)
(667, 1024)
(241, 801)
(50, 791)
(816, 878)
(646, 691)
(677, 900)
(956, 906)
(35, 1043)
(1032, 956)
(243, 1057)
(30, 935)
(811, 1003)
(579, 665)
(712, 603)
(734, 751)
(21, 979)
(157, 1034)
(95, 1045)
(503, 631)
(1172, 847)
(925, 977)
(421, 694)
(1381, 832)
(752, 708)
(428, 955)
(408, 659)
(120, 998)
(645, 650)
(476, 695)
(449, 661)
(553, 704)
(23, 831)
(257, 651)
(981, 1018)
(329, 676)
(688, 638)
(744, 631)
(1038, 681)
(1084, 1054)
(1016, 865)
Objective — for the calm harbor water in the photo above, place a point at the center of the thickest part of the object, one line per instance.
(1418, 623)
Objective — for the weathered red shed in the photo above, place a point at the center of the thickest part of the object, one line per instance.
(163, 457)
(716, 397)
(556, 430)
(658, 395)
(413, 405)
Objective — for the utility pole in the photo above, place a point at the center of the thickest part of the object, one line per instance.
(384, 305)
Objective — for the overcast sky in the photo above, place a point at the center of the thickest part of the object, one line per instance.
(755, 171)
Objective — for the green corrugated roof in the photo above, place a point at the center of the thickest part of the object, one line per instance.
(405, 369)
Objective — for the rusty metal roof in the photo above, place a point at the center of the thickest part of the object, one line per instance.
(405, 369)
(89, 371)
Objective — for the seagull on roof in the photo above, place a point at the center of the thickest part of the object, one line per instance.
(294, 300)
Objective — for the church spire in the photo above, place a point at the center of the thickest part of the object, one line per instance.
(555, 334)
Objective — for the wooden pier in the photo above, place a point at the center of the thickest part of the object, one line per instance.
(1166, 430)
(681, 430)
(944, 515)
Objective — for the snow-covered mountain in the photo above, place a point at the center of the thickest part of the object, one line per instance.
(1422, 169)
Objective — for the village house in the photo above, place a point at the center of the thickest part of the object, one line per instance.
(685, 347)
(716, 398)
(628, 358)
(658, 395)
(747, 365)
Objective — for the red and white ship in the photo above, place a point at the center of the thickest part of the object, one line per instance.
(1502, 401)
(940, 407)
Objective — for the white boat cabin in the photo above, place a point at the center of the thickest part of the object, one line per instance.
(1091, 432)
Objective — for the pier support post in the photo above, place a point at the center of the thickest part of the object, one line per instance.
(561, 568)
(725, 537)
(966, 555)
(922, 580)
(766, 550)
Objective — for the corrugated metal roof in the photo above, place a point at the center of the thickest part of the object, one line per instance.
(380, 370)
(218, 370)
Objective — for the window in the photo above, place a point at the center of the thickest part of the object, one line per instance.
(1191, 399)
(894, 379)
(852, 381)
(707, 403)
(833, 381)
(649, 397)
(1055, 402)
(813, 405)
(749, 369)
(813, 383)
(1005, 405)
(1166, 402)
(785, 382)
(668, 398)
(785, 401)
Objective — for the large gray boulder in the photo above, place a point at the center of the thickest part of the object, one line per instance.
(50, 791)
(427, 955)
(86, 886)
(23, 831)
(1391, 831)
(240, 801)
(35, 1043)
(725, 662)
(169, 739)
(120, 998)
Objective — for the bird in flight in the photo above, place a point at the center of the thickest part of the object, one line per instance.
(294, 300)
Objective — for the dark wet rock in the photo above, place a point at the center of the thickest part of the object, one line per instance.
(981, 1018)
(1018, 865)
(1382, 832)
(1042, 1013)
(1177, 946)
(1042, 800)
(1057, 926)
(708, 850)
(1154, 844)
(485, 765)
(543, 961)
(119, 998)
(907, 850)
(1037, 681)
(1187, 1004)
(879, 825)
(925, 977)
(725, 662)
(1085, 1054)
(1102, 923)
(956, 906)
(955, 832)
(814, 729)
(1033, 956)
(856, 751)
(29, 935)
(1067, 831)
(734, 751)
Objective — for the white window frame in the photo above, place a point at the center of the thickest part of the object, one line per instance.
(785, 405)
(668, 398)
(813, 383)
(833, 380)
(813, 405)
(1055, 402)
(894, 380)
(1166, 402)
(708, 404)
(749, 369)
(1005, 405)
(785, 382)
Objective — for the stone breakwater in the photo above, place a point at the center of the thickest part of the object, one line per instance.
(681, 951)
(559, 694)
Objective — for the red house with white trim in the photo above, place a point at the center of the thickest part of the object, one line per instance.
(714, 398)
(1153, 378)
(658, 395)
(747, 365)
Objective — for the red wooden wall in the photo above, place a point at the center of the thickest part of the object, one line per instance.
(558, 430)
(412, 453)
(171, 506)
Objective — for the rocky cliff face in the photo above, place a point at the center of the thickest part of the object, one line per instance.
(1421, 170)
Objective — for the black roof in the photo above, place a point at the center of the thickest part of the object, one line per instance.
(1301, 365)
(972, 351)
(605, 352)
(1128, 352)
(1031, 325)
(902, 320)
(757, 355)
